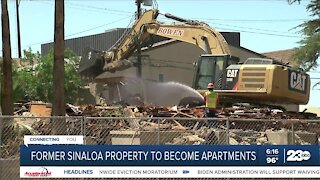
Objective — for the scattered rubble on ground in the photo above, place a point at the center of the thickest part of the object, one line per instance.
(237, 111)
(247, 123)
(149, 124)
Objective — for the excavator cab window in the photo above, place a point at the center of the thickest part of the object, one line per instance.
(258, 61)
(211, 69)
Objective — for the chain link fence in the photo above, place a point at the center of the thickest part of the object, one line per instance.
(151, 131)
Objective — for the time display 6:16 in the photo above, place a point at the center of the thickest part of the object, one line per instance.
(272, 151)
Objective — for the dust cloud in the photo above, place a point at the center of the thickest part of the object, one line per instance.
(163, 93)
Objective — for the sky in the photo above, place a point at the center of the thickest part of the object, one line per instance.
(265, 25)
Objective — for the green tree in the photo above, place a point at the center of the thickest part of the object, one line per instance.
(307, 54)
(35, 81)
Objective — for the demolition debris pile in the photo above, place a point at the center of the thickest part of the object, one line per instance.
(239, 124)
(237, 111)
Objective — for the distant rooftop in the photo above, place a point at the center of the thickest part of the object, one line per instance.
(283, 56)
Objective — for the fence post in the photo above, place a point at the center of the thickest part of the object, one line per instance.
(158, 131)
(228, 131)
(82, 132)
(1, 124)
(83, 128)
(81, 122)
(1, 127)
(293, 134)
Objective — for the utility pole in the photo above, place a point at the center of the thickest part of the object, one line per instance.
(139, 64)
(18, 30)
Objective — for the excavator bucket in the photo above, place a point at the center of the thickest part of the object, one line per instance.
(94, 63)
(91, 63)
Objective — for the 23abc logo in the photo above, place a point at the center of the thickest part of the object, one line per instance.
(298, 155)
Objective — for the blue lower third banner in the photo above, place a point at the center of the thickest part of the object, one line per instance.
(169, 161)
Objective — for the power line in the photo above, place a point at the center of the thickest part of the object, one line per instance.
(250, 28)
(253, 20)
(263, 33)
(270, 34)
(205, 19)
(246, 20)
(247, 30)
(107, 10)
(120, 11)
(47, 41)
(89, 8)
(90, 29)
(244, 27)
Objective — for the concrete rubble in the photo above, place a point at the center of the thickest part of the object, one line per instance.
(247, 124)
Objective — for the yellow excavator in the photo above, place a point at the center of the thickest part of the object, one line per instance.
(257, 79)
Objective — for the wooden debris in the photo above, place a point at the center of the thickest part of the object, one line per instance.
(193, 130)
(40, 109)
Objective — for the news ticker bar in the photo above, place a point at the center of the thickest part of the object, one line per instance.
(169, 155)
(169, 172)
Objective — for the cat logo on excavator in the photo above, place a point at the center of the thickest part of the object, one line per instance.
(232, 72)
(297, 81)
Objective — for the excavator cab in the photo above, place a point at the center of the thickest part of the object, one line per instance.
(212, 68)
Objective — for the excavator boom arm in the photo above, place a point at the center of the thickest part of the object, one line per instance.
(208, 39)
(130, 41)
(197, 33)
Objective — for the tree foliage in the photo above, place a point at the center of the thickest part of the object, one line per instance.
(308, 53)
(35, 81)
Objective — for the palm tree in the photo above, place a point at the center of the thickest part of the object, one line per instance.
(6, 88)
(58, 104)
